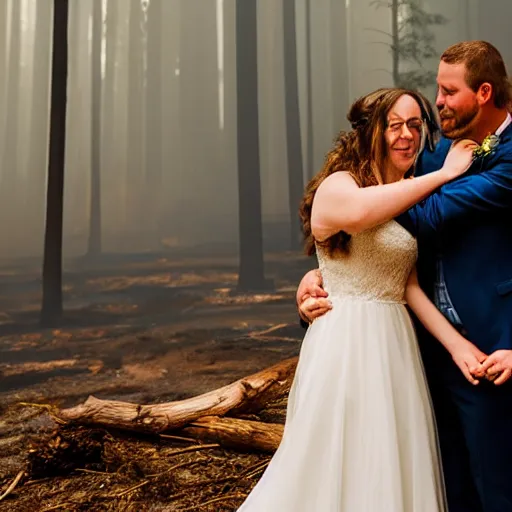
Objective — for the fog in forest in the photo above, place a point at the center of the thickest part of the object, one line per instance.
(164, 118)
(150, 243)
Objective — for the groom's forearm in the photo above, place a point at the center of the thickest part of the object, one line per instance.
(469, 198)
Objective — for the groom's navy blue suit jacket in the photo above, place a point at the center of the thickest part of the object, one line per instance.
(469, 223)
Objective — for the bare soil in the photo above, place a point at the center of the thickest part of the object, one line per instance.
(145, 330)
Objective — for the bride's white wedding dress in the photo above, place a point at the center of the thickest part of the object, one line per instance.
(359, 433)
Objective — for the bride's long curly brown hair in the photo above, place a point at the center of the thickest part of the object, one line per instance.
(363, 151)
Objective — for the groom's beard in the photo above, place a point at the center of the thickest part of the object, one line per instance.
(458, 125)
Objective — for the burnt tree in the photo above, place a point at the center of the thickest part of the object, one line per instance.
(51, 311)
(251, 272)
(293, 133)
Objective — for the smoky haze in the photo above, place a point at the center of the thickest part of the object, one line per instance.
(152, 122)
(167, 265)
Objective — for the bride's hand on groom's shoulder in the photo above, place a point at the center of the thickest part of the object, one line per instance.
(469, 359)
(459, 158)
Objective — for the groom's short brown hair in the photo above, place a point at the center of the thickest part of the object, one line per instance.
(484, 63)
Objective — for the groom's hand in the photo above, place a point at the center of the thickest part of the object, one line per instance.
(498, 367)
(313, 307)
(311, 297)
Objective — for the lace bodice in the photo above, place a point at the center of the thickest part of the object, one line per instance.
(375, 268)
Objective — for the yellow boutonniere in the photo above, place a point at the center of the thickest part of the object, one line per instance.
(488, 145)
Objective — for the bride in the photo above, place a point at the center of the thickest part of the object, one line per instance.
(360, 433)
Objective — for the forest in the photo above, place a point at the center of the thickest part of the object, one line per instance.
(154, 154)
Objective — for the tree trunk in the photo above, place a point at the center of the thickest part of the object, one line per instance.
(172, 182)
(339, 64)
(247, 395)
(114, 176)
(52, 263)
(10, 163)
(4, 63)
(293, 135)
(94, 249)
(395, 42)
(238, 434)
(39, 111)
(200, 172)
(136, 216)
(154, 104)
(310, 168)
(251, 273)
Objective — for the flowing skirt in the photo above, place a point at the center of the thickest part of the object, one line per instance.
(360, 433)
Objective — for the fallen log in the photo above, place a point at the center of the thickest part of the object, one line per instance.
(247, 395)
(236, 433)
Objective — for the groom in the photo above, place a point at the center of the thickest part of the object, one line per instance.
(464, 233)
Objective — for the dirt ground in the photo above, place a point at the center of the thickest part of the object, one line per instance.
(145, 330)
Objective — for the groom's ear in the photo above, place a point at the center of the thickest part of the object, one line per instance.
(484, 93)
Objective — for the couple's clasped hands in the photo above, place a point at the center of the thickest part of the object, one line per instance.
(475, 365)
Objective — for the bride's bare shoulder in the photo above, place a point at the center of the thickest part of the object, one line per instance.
(338, 182)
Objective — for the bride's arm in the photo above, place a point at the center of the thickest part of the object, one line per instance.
(341, 205)
(465, 355)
